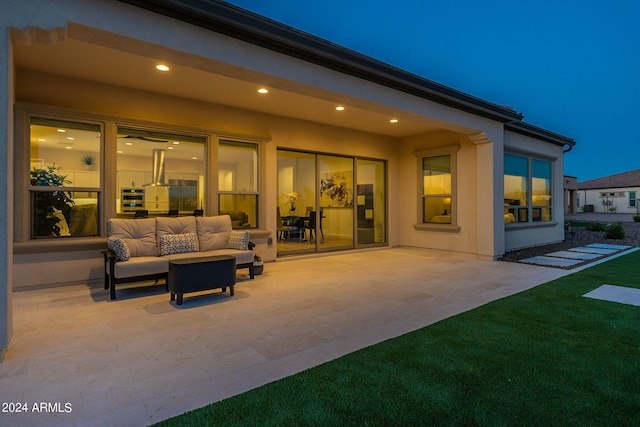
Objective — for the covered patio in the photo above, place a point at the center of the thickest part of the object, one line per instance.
(141, 359)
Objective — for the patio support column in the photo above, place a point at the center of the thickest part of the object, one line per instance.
(490, 192)
(6, 188)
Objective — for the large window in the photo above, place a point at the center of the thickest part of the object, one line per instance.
(527, 189)
(238, 183)
(437, 208)
(159, 173)
(64, 178)
(436, 189)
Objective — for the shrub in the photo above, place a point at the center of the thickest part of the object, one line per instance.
(615, 231)
(596, 226)
(636, 218)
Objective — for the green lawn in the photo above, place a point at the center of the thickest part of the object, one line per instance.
(546, 356)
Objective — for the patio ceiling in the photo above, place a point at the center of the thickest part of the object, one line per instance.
(131, 63)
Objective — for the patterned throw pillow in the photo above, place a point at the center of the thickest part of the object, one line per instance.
(119, 247)
(178, 243)
(238, 240)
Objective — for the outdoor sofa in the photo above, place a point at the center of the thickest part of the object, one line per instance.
(140, 249)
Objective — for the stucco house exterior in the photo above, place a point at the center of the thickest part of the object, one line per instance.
(250, 116)
(611, 194)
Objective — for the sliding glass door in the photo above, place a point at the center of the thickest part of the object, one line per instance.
(371, 202)
(324, 200)
(336, 201)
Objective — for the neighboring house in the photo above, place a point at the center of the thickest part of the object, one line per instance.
(227, 111)
(570, 194)
(612, 194)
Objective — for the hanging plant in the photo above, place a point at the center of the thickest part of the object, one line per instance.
(47, 203)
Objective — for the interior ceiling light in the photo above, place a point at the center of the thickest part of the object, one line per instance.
(68, 147)
(128, 143)
(70, 138)
(162, 67)
(340, 108)
(176, 142)
(393, 121)
(61, 130)
(169, 148)
(263, 90)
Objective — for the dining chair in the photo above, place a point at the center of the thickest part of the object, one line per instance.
(282, 228)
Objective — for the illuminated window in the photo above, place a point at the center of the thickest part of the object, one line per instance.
(238, 182)
(438, 188)
(527, 189)
(64, 178)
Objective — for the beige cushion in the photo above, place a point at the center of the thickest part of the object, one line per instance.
(139, 235)
(140, 266)
(242, 257)
(213, 231)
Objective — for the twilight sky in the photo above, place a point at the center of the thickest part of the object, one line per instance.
(570, 66)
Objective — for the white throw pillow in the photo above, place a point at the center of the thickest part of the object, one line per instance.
(238, 240)
(119, 247)
(178, 243)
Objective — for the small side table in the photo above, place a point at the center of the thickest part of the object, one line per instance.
(200, 274)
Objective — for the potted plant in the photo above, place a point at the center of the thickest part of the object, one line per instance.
(88, 161)
(46, 204)
(258, 265)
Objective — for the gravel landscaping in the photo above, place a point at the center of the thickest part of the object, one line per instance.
(580, 236)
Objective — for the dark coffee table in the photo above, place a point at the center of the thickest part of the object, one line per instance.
(201, 274)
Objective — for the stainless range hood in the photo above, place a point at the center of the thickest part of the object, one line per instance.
(158, 169)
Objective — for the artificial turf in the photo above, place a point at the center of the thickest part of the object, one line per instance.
(546, 356)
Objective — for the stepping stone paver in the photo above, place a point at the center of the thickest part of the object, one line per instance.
(571, 254)
(607, 246)
(614, 293)
(551, 261)
(594, 250)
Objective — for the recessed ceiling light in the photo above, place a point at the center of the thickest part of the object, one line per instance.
(68, 147)
(194, 158)
(162, 67)
(128, 143)
(263, 90)
(61, 130)
(393, 121)
(70, 138)
(176, 142)
(119, 151)
(41, 140)
(169, 148)
(340, 108)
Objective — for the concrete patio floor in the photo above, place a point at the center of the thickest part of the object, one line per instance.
(141, 359)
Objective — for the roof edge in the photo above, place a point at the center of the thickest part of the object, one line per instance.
(527, 129)
(233, 21)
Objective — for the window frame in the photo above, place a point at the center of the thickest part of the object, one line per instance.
(633, 201)
(530, 207)
(452, 152)
(250, 193)
(26, 231)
